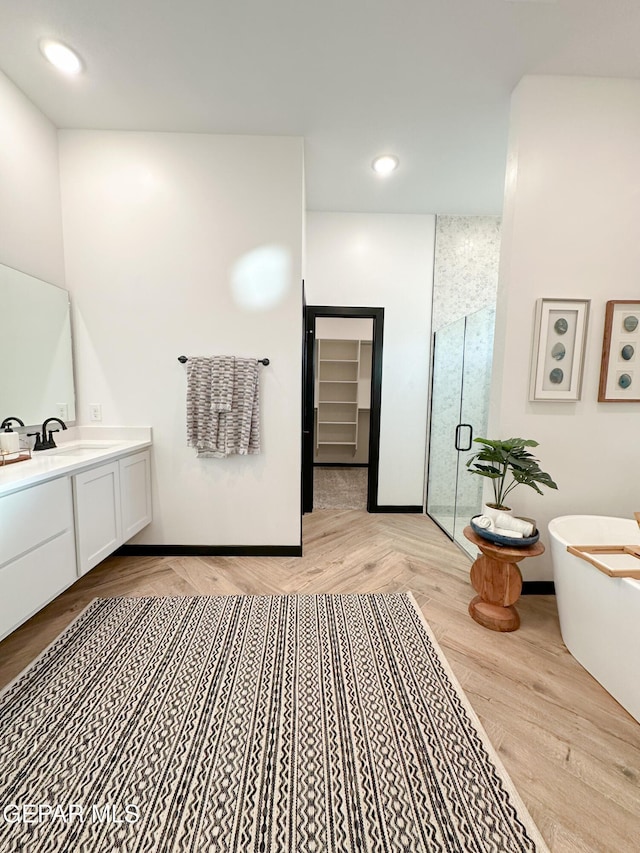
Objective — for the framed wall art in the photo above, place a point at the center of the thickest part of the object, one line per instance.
(619, 369)
(560, 334)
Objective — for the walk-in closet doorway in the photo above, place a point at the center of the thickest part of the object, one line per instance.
(342, 379)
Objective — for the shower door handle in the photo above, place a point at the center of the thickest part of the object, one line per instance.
(459, 429)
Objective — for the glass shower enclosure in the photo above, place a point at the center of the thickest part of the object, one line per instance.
(462, 358)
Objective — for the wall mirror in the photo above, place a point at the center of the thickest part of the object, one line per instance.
(36, 366)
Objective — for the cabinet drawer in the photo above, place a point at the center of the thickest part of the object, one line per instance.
(34, 579)
(33, 516)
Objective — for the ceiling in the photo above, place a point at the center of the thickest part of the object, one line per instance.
(427, 80)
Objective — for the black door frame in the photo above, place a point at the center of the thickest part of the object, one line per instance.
(311, 313)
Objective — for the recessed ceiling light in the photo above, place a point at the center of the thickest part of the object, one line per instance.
(58, 54)
(385, 164)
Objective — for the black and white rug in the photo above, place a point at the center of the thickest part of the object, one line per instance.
(268, 724)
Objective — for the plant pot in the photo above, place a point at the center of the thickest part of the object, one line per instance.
(492, 511)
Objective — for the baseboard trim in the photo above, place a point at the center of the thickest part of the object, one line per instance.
(538, 588)
(209, 551)
(396, 508)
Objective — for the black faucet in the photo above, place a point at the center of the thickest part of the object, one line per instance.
(7, 421)
(46, 443)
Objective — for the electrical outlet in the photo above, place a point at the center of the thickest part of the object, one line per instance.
(95, 412)
(62, 411)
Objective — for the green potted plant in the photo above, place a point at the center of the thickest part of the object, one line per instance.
(508, 463)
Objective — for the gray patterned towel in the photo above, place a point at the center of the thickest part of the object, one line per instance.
(211, 429)
(222, 371)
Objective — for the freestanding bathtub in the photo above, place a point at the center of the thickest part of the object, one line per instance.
(599, 615)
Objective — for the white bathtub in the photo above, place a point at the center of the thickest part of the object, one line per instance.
(599, 615)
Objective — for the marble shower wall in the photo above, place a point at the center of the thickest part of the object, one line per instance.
(465, 275)
(467, 255)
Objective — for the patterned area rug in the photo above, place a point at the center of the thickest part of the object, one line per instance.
(250, 723)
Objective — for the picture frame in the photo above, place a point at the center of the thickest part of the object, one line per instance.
(559, 341)
(620, 364)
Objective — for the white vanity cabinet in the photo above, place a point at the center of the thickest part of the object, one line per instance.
(37, 549)
(112, 502)
(65, 510)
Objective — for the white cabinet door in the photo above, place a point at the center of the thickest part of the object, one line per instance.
(135, 493)
(96, 495)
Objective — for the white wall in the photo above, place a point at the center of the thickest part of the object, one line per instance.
(570, 230)
(155, 227)
(30, 220)
(378, 260)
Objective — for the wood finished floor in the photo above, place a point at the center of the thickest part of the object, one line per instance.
(571, 750)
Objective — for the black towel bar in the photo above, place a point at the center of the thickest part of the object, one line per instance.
(183, 360)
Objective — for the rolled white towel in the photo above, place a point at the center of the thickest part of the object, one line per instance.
(510, 522)
(484, 522)
(511, 534)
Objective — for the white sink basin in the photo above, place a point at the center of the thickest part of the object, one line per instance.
(82, 449)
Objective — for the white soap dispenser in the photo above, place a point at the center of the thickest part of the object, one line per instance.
(9, 441)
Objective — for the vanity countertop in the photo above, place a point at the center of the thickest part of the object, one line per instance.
(78, 448)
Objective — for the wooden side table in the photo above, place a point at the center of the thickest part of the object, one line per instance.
(498, 581)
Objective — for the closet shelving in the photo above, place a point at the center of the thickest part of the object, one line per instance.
(338, 367)
(338, 374)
